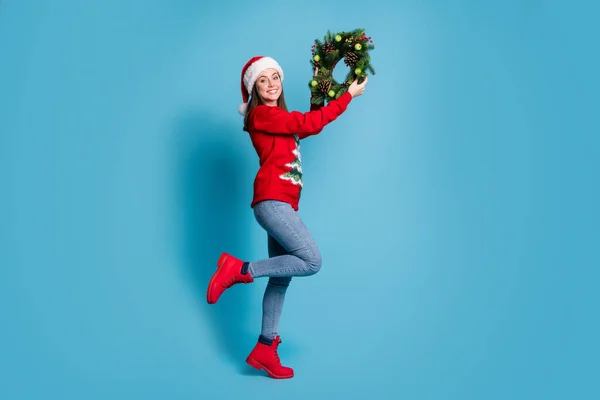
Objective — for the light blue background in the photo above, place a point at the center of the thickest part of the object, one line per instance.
(455, 203)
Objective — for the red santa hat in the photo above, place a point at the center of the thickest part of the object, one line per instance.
(250, 73)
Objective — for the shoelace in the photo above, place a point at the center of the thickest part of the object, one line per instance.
(276, 355)
(229, 282)
(276, 344)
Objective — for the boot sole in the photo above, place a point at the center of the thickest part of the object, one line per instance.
(255, 364)
(220, 263)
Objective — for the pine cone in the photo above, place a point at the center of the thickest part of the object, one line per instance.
(328, 48)
(350, 59)
(324, 86)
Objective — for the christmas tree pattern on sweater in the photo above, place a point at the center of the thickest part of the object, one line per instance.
(295, 174)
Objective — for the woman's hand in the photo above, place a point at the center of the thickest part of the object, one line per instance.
(357, 89)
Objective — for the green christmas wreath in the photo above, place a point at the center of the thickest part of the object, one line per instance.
(353, 47)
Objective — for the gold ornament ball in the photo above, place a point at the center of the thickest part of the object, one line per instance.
(331, 93)
(358, 46)
(314, 83)
(358, 71)
(338, 38)
(317, 58)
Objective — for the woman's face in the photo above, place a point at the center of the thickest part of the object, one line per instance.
(269, 86)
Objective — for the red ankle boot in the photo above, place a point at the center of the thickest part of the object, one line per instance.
(266, 357)
(228, 274)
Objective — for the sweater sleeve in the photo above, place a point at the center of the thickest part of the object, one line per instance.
(313, 107)
(278, 121)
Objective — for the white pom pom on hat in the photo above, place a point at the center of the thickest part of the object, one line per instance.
(250, 74)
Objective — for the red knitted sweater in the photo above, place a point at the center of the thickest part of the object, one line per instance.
(276, 135)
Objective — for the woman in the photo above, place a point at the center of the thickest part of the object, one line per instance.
(276, 133)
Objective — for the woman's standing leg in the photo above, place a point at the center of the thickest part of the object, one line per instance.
(292, 252)
(274, 296)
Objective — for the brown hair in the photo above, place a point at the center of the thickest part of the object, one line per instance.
(255, 101)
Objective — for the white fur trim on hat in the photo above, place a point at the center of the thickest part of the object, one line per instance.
(242, 108)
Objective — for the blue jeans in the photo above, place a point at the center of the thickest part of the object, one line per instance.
(292, 252)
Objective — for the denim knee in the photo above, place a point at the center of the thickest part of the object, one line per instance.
(314, 261)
